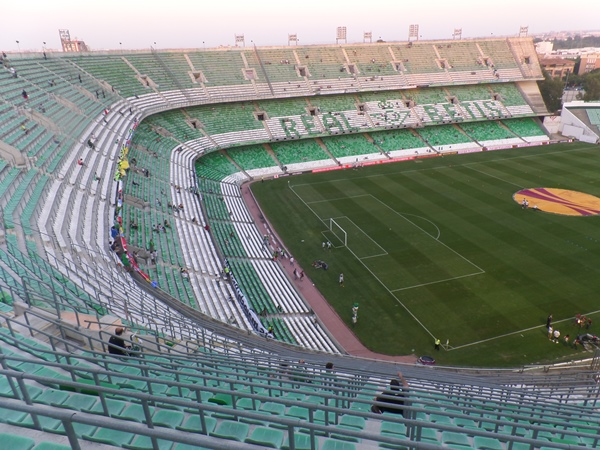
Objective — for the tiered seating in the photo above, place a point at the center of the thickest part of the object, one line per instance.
(509, 94)
(372, 60)
(470, 93)
(113, 70)
(397, 140)
(298, 152)
(225, 118)
(437, 136)
(461, 55)
(152, 65)
(416, 57)
(279, 64)
(323, 62)
(502, 58)
(251, 157)
(175, 122)
(334, 103)
(349, 145)
(215, 166)
(486, 131)
(239, 396)
(525, 127)
(594, 115)
(219, 68)
(428, 96)
(284, 107)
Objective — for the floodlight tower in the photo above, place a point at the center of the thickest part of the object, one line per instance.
(368, 35)
(292, 38)
(413, 32)
(341, 35)
(239, 39)
(523, 31)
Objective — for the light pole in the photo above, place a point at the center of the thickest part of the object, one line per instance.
(121, 46)
(18, 46)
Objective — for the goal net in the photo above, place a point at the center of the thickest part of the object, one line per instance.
(338, 232)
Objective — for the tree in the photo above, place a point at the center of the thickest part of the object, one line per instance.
(591, 86)
(552, 91)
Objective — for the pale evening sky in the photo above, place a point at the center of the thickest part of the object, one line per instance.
(138, 24)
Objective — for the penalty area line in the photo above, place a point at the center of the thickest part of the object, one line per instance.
(438, 281)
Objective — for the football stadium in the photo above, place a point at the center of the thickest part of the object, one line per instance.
(336, 247)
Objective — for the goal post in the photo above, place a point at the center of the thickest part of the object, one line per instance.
(338, 232)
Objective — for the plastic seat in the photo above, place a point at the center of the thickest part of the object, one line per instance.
(52, 397)
(333, 444)
(16, 442)
(393, 429)
(114, 407)
(111, 437)
(51, 446)
(9, 414)
(301, 442)
(79, 402)
(267, 437)
(228, 429)
(273, 408)
(486, 443)
(455, 440)
(194, 425)
(168, 418)
(133, 412)
(353, 422)
(145, 443)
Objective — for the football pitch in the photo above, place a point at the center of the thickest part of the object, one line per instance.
(439, 248)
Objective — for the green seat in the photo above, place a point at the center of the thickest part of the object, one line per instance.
(52, 397)
(393, 429)
(194, 425)
(5, 389)
(266, 437)
(80, 429)
(301, 442)
(114, 407)
(133, 412)
(273, 408)
(145, 443)
(297, 412)
(231, 430)
(222, 399)
(111, 437)
(79, 402)
(9, 414)
(353, 422)
(486, 443)
(189, 447)
(333, 444)
(168, 418)
(247, 404)
(47, 423)
(16, 442)
(456, 440)
(51, 446)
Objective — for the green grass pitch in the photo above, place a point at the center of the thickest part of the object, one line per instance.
(438, 248)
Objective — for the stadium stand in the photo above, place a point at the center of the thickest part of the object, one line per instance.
(165, 138)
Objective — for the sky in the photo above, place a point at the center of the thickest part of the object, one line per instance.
(139, 24)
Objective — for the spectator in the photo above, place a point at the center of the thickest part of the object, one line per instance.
(394, 396)
(116, 344)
